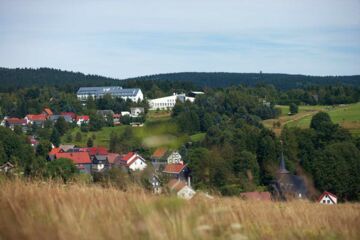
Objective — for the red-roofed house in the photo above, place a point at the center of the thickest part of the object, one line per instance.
(81, 160)
(258, 196)
(12, 122)
(133, 161)
(327, 198)
(95, 151)
(82, 120)
(177, 171)
(181, 189)
(37, 119)
(53, 152)
(159, 154)
(70, 114)
(112, 158)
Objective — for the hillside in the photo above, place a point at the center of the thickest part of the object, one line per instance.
(281, 81)
(15, 78)
(36, 210)
(26, 77)
(346, 115)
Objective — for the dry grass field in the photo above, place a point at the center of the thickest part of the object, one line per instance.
(39, 210)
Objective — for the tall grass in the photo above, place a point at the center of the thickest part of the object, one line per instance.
(39, 210)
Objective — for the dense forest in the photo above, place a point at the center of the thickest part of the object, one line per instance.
(15, 78)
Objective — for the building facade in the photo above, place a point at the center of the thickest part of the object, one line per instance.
(134, 94)
(168, 102)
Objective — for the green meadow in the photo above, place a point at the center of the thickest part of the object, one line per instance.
(346, 115)
(158, 130)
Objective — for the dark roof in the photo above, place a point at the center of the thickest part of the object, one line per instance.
(112, 90)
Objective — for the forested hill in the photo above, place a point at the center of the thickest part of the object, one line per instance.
(281, 81)
(11, 79)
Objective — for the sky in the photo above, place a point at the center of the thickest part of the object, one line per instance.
(129, 38)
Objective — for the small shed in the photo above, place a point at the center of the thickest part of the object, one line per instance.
(327, 198)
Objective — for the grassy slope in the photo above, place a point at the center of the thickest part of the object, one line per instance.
(347, 116)
(158, 130)
(52, 211)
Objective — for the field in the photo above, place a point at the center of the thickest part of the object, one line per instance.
(43, 210)
(158, 130)
(347, 116)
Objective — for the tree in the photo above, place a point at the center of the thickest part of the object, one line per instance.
(55, 137)
(96, 122)
(61, 126)
(294, 109)
(43, 148)
(90, 142)
(62, 168)
(319, 119)
(78, 137)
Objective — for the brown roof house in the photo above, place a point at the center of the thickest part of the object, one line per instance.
(182, 189)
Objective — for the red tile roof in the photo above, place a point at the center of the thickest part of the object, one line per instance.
(263, 196)
(174, 168)
(127, 156)
(176, 185)
(48, 111)
(159, 153)
(54, 151)
(16, 121)
(85, 118)
(112, 157)
(36, 117)
(76, 157)
(95, 151)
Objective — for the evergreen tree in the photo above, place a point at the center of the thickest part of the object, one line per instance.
(61, 126)
(55, 137)
(90, 142)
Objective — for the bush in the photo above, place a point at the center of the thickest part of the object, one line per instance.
(61, 168)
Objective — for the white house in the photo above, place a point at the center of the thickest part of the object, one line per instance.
(168, 102)
(327, 198)
(137, 111)
(133, 161)
(82, 120)
(181, 188)
(134, 94)
(175, 158)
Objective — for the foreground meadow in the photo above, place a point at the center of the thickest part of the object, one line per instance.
(39, 210)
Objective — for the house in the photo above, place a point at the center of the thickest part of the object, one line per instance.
(175, 158)
(112, 158)
(95, 151)
(116, 118)
(133, 161)
(82, 120)
(176, 171)
(81, 160)
(287, 185)
(159, 154)
(67, 118)
(181, 188)
(100, 163)
(53, 153)
(327, 198)
(155, 183)
(47, 112)
(72, 115)
(133, 94)
(137, 111)
(7, 167)
(125, 113)
(13, 122)
(66, 147)
(36, 119)
(258, 196)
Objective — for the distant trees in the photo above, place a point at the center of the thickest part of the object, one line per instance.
(62, 168)
(294, 109)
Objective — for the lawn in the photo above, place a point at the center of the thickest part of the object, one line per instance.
(348, 116)
(154, 133)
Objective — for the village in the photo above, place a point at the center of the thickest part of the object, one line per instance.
(168, 169)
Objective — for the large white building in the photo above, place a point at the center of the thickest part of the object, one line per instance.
(134, 94)
(168, 102)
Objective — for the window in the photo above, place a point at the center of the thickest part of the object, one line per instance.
(324, 201)
(328, 201)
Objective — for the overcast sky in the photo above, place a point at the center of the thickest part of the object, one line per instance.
(127, 38)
